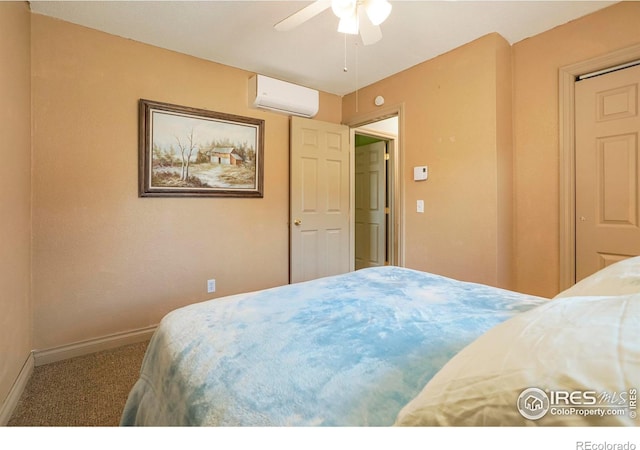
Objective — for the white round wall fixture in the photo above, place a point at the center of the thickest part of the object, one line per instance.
(379, 100)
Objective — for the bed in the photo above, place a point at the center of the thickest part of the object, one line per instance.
(375, 347)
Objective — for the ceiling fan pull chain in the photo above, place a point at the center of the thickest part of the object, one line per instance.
(345, 69)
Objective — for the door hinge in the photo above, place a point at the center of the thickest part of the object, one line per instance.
(387, 156)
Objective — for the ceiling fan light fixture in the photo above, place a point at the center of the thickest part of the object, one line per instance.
(344, 8)
(377, 10)
(348, 25)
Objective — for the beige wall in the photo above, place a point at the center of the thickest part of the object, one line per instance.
(15, 193)
(105, 260)
(484, 117)
(457, 110)
(536, 64)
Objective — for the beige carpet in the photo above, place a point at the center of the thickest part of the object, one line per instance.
(89, 390)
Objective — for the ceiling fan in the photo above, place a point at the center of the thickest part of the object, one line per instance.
(356, 17)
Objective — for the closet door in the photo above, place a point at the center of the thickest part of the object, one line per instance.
(607, 170)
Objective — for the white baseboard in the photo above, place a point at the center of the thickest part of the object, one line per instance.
(10, 403)
(63, 352)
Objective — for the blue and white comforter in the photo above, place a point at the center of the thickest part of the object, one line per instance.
(349, 350)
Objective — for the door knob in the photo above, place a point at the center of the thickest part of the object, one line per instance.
(297, 222)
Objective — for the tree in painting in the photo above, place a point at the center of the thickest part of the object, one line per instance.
(193, 152)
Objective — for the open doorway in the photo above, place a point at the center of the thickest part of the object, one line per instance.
(375, 221)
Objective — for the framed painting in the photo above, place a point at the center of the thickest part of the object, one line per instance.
(189, 152)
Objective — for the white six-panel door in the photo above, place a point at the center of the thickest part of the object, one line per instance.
(370, 203)
(607, 170)
(320, 194)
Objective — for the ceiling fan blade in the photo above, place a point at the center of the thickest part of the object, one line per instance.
(369, 32)
(303, 15)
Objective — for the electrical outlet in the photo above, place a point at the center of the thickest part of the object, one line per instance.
(211, 286)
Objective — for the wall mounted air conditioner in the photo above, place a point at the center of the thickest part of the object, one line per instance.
(275, 95)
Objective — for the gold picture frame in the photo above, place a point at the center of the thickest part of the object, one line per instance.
(190, 152)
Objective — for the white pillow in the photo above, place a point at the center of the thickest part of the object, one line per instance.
(585, 347)
(620, 278)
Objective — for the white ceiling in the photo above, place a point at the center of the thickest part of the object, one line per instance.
(240, 33)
